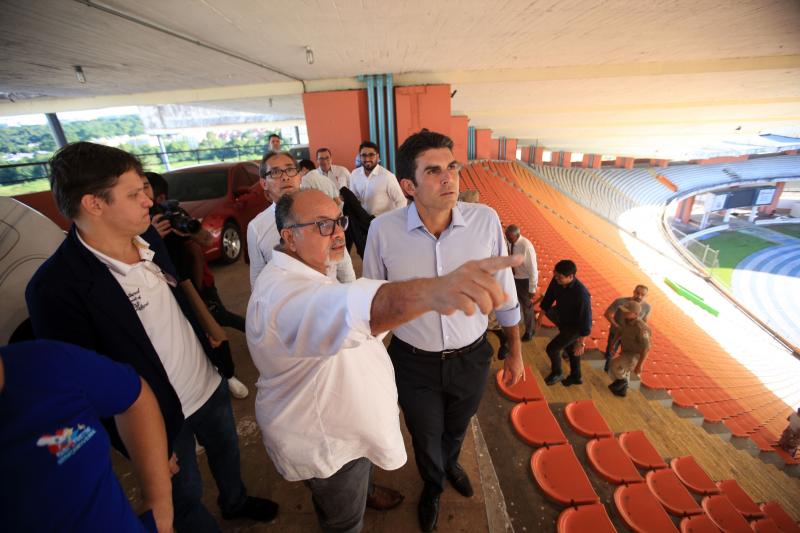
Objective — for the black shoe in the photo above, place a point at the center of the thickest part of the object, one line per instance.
(552, 379)
(526, 337)
(619, 387)
(428, 512)
(384, 498)
(258, 509)
(571, 380)
(460, 481)
(607, 365)
(502, 352)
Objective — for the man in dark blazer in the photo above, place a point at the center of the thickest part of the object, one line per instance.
(110, 287)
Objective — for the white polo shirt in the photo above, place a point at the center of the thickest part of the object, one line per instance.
(379, 192)
(326, 389)
(188, 368)
(262, 237)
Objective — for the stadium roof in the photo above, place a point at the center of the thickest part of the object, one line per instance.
(673, 79)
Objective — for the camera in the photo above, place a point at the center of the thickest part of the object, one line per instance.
(178, 218)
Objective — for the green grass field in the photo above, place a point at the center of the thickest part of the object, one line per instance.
(793, 230)
(733, 247)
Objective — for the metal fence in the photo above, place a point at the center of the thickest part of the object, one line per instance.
(708, 256)
(156, 161)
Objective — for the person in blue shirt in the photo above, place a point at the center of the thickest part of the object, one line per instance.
(55, 467)
(572, 315)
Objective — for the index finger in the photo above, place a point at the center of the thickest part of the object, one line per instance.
(490, 265)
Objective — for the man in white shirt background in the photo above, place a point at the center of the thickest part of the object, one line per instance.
(339, 175)
(274, 143)
(441, 362)
(375, 187)
(526, 276)
(327, 402)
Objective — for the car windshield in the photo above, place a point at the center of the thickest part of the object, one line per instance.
(197, 185)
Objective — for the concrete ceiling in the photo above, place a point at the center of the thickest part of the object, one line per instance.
(662, 78)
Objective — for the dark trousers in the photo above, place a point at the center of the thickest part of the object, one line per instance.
(223, 317)
(340, 500)
(214, 426)
(525, 303)
(438, 398)
(565, 340)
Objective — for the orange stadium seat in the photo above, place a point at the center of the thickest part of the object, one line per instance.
(585, 518)
(693, 476)
(536, 425)
(583, 417)
(774, 511)
(641, 511)
(724, 515)
(641, 450)
(740, 499)
(610, 461)
(560, 475)
(765, 525)
(672, 494)
(527, 390)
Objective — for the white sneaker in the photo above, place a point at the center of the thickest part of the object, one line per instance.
(237, 388)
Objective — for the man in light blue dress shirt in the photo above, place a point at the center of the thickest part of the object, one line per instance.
(441, 361)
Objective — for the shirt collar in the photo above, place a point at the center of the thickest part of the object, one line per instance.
(287, 262)
(413, 221)
(120, 267)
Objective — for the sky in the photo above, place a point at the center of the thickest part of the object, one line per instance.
(65, 116)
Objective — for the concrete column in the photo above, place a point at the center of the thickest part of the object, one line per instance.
(753, 212)
(422, 106)
(525, 152)
(538, 154)
(56, 130)
(338, 120)
(459, 132)
(688, 205)
(483, 144)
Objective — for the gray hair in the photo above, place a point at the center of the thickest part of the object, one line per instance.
(262, 168)
(283, 212)
(471, 196)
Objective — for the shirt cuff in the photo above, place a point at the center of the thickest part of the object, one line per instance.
(360, 294)
(508, 317)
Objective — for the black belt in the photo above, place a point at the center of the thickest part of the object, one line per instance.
(444, 354)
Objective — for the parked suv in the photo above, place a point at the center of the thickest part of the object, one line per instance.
(225, 197)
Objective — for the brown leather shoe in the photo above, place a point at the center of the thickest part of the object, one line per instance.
(384, 498)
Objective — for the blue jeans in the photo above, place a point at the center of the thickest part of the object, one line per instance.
(215, 429)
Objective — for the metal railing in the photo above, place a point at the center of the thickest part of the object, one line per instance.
(708, 256)
(17, 173)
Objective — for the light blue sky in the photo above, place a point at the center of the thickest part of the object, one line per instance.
(69, 116)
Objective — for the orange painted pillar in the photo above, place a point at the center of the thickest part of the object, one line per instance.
(591, 161)
(791, 152)
(511, 149)
(525, 152)
(459, 132)
(483, 144)
(688, 204)
(494, 148)
(624, 162)
(561, 159)
(338, 120)
(538, 154)
(421, 106)
(659, 162)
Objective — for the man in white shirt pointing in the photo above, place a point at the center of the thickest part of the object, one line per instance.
(327, 402)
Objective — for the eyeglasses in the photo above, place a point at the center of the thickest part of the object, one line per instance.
(276, 173)
(326, 226)
(436, 172)
(368, 155)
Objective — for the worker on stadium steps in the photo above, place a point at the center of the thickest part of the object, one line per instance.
(614, 317)
(572, 315)
(790, 438)
(55, 465)
(327, 402)
(374, 186)
(526, 276)
(110, 287)
(441, 362)
(633, 338)
(473, 196)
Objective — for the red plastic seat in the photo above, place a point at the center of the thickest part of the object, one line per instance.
(584, 418)
(609, 460)
(560, 475)
(672, 494)
(536, 425)
(640, 509)
(693, 476)
(527, 390)
(720, 509)
(641, 450)
(765, 525)
(740, 499)
(785, 522)
(699, 523)
(585, 518)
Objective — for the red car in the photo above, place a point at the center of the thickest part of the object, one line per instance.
(225, 197)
